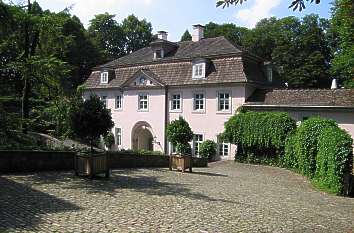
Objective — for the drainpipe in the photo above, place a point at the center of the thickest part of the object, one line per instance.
(166, 121)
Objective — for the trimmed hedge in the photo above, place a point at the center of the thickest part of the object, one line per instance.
(306, 143)
(333, 160)
(260, 135)
(208, 149)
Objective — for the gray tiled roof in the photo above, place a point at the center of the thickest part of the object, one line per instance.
(304, 97)
(227, 65)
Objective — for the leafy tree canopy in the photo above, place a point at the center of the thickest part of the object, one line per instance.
(295, 4)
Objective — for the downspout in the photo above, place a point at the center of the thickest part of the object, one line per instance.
(166, 121)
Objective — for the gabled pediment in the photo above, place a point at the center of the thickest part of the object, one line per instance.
(143, 78)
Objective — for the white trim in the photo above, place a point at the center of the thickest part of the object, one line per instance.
(218, 101)
(194, 141)
(147, 99)
(116, 138)
(204, 102)
(201, 65)
(104, 77)
(180, 103)
(121, 102)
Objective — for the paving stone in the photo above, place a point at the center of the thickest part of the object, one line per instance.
(225, 197)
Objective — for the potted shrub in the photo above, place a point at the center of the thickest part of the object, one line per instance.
(180, 134)
(89, 121)
(109, 140)
(208, 149)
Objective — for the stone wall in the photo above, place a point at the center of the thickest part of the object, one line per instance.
(34, 161)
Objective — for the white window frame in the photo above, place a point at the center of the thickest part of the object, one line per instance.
(118, 136)
(104, 77)
(147, 102)
(195, 102)
(119, 106)
(104, 100)
(196, 144)
(198, 70)
(222, 149)
(223, 110)
(158, 55)
(172, 102)
(172, 149)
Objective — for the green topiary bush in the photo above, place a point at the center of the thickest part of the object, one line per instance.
(180, 134)
(208, 149)
(333, 160)
(306, 143)
(260, 136)
(289, 160)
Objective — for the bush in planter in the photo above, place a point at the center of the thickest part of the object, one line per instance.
(208, 149)
(334, 159)
(91, 119)
(180, 134)
(260, 136)
(307, 141)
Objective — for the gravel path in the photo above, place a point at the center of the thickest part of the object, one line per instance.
(226, 197)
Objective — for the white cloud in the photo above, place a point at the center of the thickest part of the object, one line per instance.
(258, 10)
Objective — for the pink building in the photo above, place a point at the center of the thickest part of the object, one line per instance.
(204, 80)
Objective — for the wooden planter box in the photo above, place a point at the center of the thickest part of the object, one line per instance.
(91, 165)
(181, 162)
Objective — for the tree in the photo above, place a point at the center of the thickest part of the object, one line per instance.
(343, 26)
(295, 4)
(208, 149)
(230, 31)
(90, 120)
(108, 35)
(179, 134)
(36, 72)
(186, 36)
(138, 33)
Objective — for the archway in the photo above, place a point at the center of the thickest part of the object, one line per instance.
(142, 137)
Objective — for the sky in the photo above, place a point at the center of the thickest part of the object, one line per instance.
(175, 16)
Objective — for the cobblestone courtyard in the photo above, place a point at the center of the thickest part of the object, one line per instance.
(226, 197)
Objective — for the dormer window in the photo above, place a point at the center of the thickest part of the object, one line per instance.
(199, 70)
(158, 54)
(104, 77)
(142, 81)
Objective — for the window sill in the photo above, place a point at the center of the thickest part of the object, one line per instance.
(198, 112)
(118, 109)
(176, 111)
(143, 110)
(228, 112)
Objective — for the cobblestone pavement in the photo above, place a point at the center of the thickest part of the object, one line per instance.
(226, 197)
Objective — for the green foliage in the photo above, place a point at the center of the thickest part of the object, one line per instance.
(108, 35)
(260, 136)
(90, 120)
(109, 140)
(289, 159)
(343, 27)
(307, 143)
(295, 4)
(334, 159)
(230, 31)
(180, 134)
(138, 33)
(186, 36)
(208, 149)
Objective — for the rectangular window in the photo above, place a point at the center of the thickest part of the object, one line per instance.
(223, 149)
(143, 102)
(198, 139)
(176, 102)
(199, 71)
(270, 74)
(119, 101)
(198, 102)
(223, 101)
(104, 100)
(118, 134)
(104, 77)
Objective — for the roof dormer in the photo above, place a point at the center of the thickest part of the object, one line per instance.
(106, 76)
(162, 47)
(200, 68)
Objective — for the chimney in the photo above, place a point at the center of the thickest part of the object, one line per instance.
(334, 84)
(198, 32)
(162, 35)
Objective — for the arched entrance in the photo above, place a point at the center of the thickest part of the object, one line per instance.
(142, 137)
